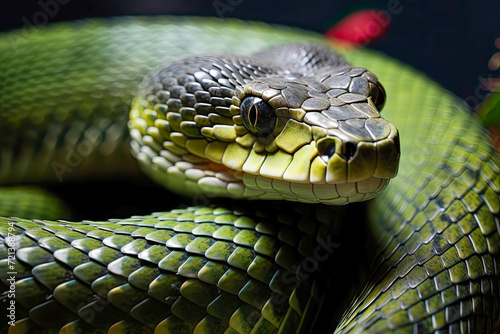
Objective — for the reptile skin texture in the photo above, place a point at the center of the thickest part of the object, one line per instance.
(232, 267)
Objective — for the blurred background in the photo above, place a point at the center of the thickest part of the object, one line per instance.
(453, 41)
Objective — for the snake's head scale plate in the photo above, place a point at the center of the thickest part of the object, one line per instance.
(295, 122)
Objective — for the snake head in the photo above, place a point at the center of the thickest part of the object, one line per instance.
(306, 128)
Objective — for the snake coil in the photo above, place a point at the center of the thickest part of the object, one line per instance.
(295, 122)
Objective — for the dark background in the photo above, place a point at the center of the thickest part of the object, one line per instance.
(450, 40)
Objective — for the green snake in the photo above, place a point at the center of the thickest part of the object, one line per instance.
(294, 127)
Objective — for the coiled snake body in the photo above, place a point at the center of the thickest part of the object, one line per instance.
(295, 123)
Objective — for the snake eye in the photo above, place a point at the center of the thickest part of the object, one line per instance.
(379, 96)
(258, 116)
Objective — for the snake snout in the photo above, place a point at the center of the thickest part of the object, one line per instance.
(351, 157)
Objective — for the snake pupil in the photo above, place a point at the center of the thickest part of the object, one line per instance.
(252, 115)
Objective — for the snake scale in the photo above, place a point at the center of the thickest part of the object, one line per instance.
(294, 123)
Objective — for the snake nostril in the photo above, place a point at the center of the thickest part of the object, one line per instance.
(349, 150)
(326, 148)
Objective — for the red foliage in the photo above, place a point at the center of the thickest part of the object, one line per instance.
(361, 27)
